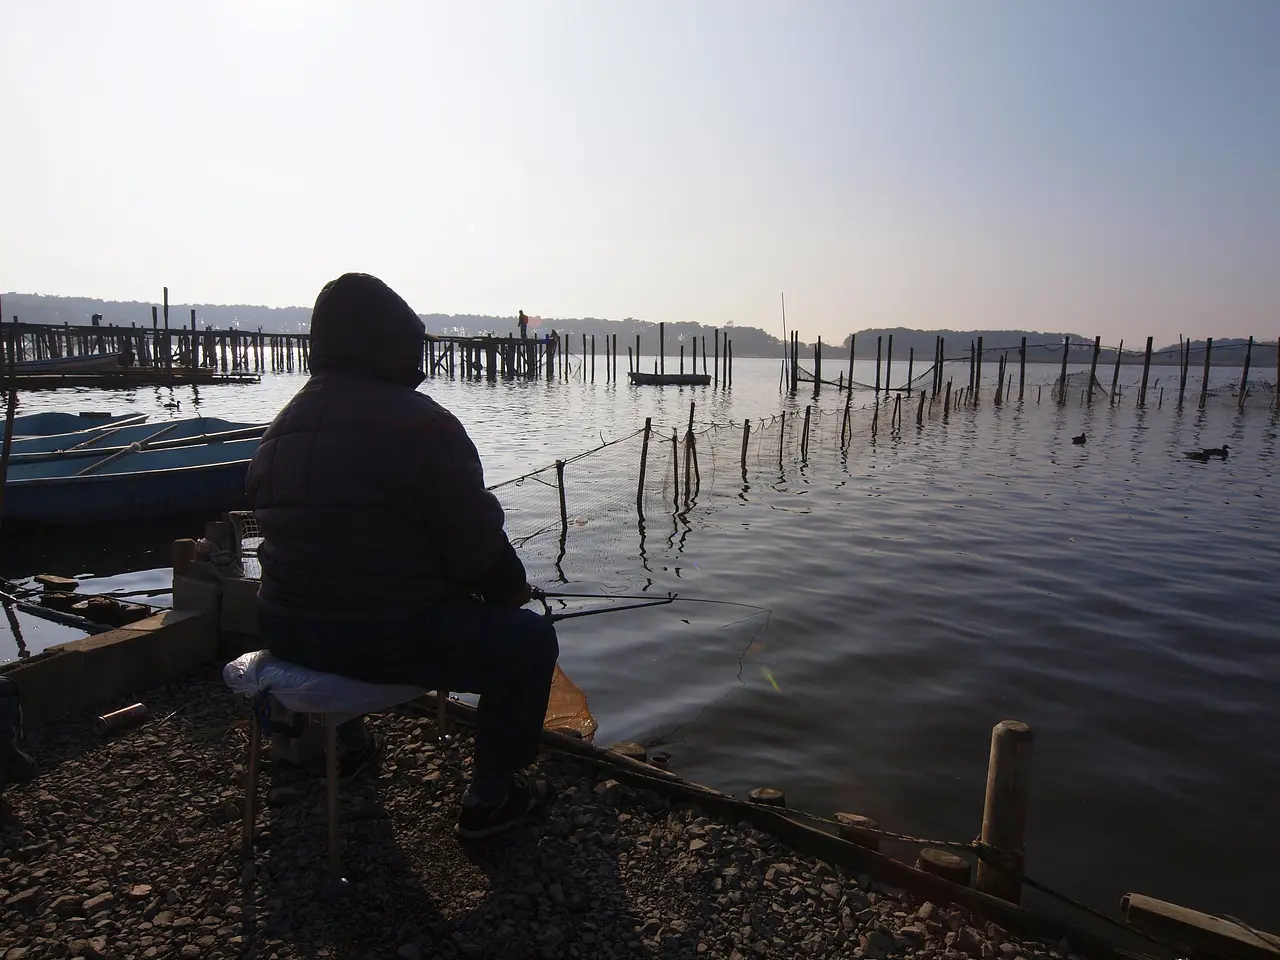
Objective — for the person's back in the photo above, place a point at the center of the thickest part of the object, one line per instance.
(383, 555)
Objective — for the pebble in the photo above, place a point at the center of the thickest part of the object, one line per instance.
(131, 850)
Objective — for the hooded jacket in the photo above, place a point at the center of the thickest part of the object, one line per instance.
(370, 496)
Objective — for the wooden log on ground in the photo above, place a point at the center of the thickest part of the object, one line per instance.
(945, 864)
(858, 829)
(1197, 931)
(767, 796)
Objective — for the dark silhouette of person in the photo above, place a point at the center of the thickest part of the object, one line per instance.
(384, 557)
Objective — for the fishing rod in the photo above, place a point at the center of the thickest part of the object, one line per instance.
(543, 596)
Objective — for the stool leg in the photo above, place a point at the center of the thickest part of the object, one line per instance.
(331, 749)
(442, 715)
(251, 784)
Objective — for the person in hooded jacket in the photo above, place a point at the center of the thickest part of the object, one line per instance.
(383, 555)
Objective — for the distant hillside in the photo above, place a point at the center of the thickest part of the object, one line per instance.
(747, 341)
(1047, 348)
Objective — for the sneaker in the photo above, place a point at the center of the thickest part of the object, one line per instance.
(352, 763)
(526, 799)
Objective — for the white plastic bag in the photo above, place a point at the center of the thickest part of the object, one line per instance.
(310, 691)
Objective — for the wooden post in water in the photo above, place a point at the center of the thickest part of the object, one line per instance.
(853, 339)
(168, 350)
(1022, 368)
(637, 353)
(662, 347)
(682, 358)
(593, 358)
(564, 513)
(946, 402)
(804, 436)
(1146, 369)
(1204, 383)
(911, 366)
(1000, 380)
(704, 354)
(977, 373)
(675, 469)
(1115, 374)
(1062, 377)
(644, 458)
(746, 435)
(1277, 372)
(878, 339)
(728, 350)
(1004, 811)
(888, 366)
(1244, 376)
(1185, 363)
(817, 366)
(1093, 367)
(920, 411)
(630, 360)
(715, 363)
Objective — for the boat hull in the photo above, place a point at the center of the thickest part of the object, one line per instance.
(86, 363)
(53, 423)
(111, 498)
(206, 478)
(671, 379)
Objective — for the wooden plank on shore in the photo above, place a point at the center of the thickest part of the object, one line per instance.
(1198, 931)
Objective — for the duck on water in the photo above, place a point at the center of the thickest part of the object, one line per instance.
(1204, 455)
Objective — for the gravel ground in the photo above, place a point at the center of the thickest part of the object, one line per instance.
(128, 848)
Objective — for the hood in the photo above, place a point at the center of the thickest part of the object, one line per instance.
(361, 324)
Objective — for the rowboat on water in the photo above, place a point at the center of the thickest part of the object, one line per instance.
(51, 423)
(102, 441)
(671, 379)
(85, 363)
(130, 484)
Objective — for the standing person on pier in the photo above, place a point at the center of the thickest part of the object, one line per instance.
(383, 555)
(524, 326)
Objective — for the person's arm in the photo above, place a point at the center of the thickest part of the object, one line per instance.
(465, 520)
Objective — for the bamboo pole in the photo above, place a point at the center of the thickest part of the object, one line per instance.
(1062, 378)
(746, 435)
(1244, 376)
(1022, 368)
(804, 436)
(1093, 367)
(1146, 369)
(853, 338)
(1184, 364)
(817, 366)
(888, 366)
(644, 458)
(911, 365)
(878, 339)
(1115, 374)
(977, 374)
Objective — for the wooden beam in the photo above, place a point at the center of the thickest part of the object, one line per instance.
(1196, 930)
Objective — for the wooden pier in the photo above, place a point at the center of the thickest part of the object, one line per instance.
(189, 354)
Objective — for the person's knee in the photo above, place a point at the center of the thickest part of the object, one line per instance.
(544, 645)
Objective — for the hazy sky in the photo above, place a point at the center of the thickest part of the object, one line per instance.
(1108, 167)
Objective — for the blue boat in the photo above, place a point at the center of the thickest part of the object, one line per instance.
(48, 424)
(100, 442)
(198, 478)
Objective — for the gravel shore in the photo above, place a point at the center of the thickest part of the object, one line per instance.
(128, 848)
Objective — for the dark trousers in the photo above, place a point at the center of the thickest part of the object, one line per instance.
(507, 656)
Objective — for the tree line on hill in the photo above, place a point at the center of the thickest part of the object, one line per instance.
(1042, 347)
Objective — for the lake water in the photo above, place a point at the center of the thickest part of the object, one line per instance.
(878, 611)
